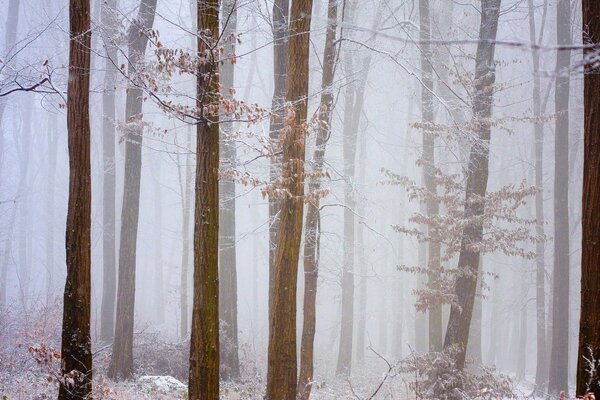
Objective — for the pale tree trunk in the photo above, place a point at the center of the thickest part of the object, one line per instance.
(230, 364)
(559, 354)
(474, 346)
(159, 298)
(204, 344)
(281, 370)
(588, 376)
(457, 333)
(121, 363)
(23, 141)
(312, 237)
(50, 205)
(76, 350)
(521, 351)
(280, 63)
(185, 188)
(109, 276)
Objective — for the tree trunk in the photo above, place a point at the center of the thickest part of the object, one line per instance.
(50, 205)
(559, 355)
(281, 372)
(159, 298)
(312, 237)
(76, 350)
(474, 346)
(588, 379)
(185, 186)
(121, 363)
(230, 364)
(204, 345)
(280, 62)
(432, 206)
(109, 278)
(457, 333)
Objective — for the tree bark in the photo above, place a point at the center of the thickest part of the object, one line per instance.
(280, 62)
(230, 364)
(312, 237)
(588, 379)
(204, 345)
(457, 333)
(559, 355)
(121, 363)
(109, 276)
(281, 371)
(76, 352)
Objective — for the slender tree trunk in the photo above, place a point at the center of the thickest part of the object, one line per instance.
(159, 298)
(522, 347)
(312, 237)
(185, 186)
(457, 333)
(280, 70)
(50, 205)
(23, 139)
(230, 364)
(204, 345)
(432, 206)
(588, 376)
(109, 278)
(474, 346)
(559, 355)
(121, 363)
(76, 349)
(281, 372)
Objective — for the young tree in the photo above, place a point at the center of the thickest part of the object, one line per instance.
(559, 356)
(109, 278)
(76, 353)
(312, 235)
(465, 286)
(588, 371)
(121, 363)
(230, 364)
(204, 344)
(281, 370)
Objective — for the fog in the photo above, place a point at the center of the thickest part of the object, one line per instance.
(407, 115)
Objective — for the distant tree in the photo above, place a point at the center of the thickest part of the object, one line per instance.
(204, 344)
(76, 353)
(588, 366)
(121, 363)
(282, 358)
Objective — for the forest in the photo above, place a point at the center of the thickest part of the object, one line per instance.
(299, 199)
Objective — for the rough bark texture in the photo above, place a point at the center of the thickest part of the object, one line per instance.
(76, 349)
(589, 325)
(559, 354)
(312, 235)
(204, 345)
(121, 363)
(457, 333)
(230, 364)
(281, 370)
(428, 156)
(280, 62)
(109, 276)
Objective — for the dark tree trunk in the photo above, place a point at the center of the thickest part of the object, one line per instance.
(457, 333)
(474, 346)
(559, 354)
(428, 156)
(76, 350)
(230, 364)
(281, 372)
(109, 276)
(280, 62)
(588, 379)
(312, 237)
(204, 345)
(121, 363)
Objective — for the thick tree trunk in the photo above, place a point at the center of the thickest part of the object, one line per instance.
(109, 276)
(588, 379)
(280, 62)
(204, 345)
(121, 363)
(230, 364)
(312, 237)
(541, 371)
(457, 333)
(281, 372)
(559, 355)
(76, 349)
(428, 156)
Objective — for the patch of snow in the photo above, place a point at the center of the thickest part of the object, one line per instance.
(161, 384)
